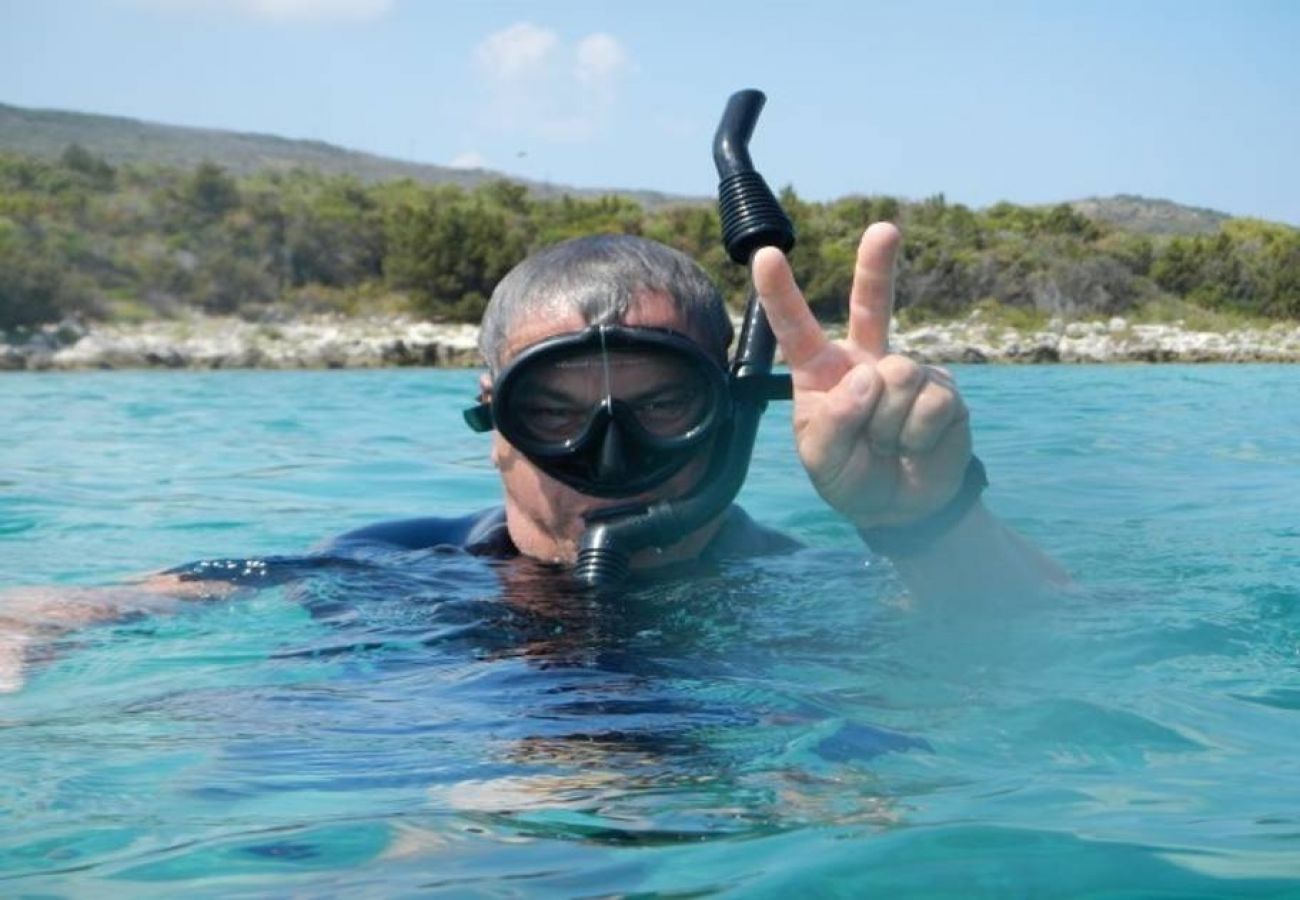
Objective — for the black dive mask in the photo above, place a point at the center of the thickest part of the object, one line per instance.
(611, 411)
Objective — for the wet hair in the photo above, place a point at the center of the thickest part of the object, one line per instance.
(599, 277)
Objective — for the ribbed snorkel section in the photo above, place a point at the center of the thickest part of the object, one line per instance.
(751, 218)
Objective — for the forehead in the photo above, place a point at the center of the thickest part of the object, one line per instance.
(649, 310)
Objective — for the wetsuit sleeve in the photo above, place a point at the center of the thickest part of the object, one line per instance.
(356, 548)
(464, 532)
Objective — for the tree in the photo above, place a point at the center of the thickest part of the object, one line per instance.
(450, 251)
(1177, 267)
(98, 173)
(35, 286)
(210, 191)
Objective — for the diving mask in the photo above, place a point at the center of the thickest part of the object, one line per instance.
(611, 411)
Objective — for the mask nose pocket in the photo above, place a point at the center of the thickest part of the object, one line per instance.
(611, 465)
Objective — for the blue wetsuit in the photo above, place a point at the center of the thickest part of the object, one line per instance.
(485, 534)
(465, 588)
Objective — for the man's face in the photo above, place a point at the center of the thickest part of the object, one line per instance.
(545, 517)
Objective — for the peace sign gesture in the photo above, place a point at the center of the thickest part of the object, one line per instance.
(885, 440)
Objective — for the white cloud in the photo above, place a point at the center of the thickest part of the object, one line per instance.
(516, 52)
(539, 86)
(468, 160)
(286, 11)
(600, 58)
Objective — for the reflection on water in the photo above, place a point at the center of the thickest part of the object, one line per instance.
(647, 717)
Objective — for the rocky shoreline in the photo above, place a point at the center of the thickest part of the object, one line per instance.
(337, 342)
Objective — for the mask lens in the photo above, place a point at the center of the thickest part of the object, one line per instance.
(555, 399)
(611, 411)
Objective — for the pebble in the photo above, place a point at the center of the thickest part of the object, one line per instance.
(335, 342)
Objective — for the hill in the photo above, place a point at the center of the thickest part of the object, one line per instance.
(1146, 215)
(45, 134)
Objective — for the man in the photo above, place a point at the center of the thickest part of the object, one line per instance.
(885, 441)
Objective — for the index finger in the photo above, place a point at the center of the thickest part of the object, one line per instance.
(801, 338)
(871, 301)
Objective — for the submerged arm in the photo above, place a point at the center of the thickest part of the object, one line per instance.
(33, 618)
(979, 560)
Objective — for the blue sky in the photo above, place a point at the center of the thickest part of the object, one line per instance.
(1027, 102)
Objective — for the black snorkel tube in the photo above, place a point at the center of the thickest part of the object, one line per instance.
(751, 219)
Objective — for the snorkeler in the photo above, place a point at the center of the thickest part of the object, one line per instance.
(607, 391)
(605, 387)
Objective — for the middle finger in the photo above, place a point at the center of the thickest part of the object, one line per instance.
(903, 379)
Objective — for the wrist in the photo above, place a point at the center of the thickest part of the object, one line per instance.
(913, 538)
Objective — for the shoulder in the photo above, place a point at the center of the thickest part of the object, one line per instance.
(482, 532)
(740, 537)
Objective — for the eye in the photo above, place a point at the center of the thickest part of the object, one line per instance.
(669, 409)
(552, 420)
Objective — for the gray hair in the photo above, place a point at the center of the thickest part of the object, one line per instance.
(599, 277)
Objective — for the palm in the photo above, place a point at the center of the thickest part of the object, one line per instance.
(885, 441)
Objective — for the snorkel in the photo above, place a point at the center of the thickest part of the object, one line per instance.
(751, 219)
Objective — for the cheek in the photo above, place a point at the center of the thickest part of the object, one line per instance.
(544, 498)
(512, 464)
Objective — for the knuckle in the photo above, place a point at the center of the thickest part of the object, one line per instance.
(900, 373)
(933, 406)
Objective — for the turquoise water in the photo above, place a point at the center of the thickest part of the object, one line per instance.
(431, 725)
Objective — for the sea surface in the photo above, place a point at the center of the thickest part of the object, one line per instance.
(430, 724)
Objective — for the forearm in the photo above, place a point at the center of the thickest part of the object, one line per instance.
(72, 606)
(32, 618)
(979, 561)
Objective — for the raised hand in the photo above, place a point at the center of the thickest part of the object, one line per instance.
(885, 440)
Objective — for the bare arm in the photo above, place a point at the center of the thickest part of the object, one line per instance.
(35, 616)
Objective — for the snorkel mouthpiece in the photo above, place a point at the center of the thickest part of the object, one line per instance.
(751, 218)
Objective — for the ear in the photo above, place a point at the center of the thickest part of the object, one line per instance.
(485, 387)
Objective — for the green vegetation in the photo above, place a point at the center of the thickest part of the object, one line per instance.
(81, 237)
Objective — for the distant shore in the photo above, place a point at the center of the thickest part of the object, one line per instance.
(337, 342)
